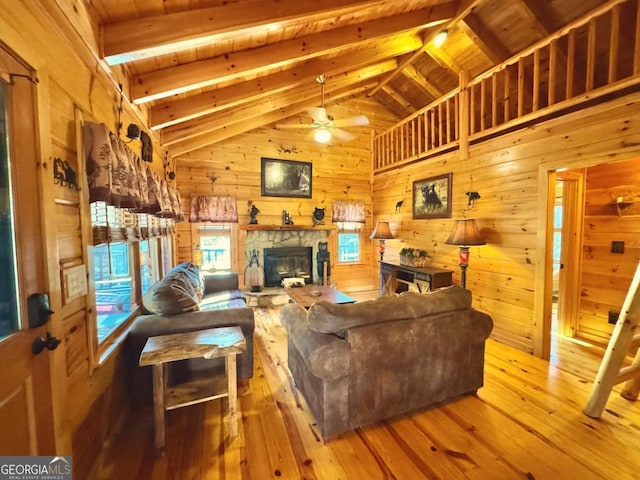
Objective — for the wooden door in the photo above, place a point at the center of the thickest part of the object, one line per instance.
(26, 414)
(571, 251)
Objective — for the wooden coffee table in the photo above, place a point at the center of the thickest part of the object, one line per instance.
(304, 296)
(210, 343)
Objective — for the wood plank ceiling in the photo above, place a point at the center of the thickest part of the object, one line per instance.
(208, 70)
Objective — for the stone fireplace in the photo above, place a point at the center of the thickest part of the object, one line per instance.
(287, 262)
(263, 239)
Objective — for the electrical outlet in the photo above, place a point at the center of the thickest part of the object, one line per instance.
(617, 247)
(613, 317)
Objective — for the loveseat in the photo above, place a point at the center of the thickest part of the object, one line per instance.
(185, 301)
(356, 364)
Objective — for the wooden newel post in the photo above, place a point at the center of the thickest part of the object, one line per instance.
(610, 372)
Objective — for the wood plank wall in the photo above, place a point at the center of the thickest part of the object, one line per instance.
(606, 276)
(508, 173)
(335, 167)
(88, 404)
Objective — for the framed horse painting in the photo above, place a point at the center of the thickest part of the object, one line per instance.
(432, 197)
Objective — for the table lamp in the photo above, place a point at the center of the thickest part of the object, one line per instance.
(382, 232)
(465, 234)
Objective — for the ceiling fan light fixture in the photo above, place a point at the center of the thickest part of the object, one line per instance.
(322, 135)
(440, 38)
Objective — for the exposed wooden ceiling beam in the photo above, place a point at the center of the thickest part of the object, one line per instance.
(463, 9)
(537, 18)
(416, 77)
(172, 112)
(443, 59)
(484, 38)
(182, 78)
(311, 93)
(249, 124)
(139, 38)
(397, 97)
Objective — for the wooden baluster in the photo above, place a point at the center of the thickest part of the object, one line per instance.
(456, 117)
(448, 119)
(614, 44)
(414, 121)
(419, 133)
(385, 149)
(591, 56)
(472, 110)
(553, 66)
(636, 47)
(494, 100)
(536, 81)
(520, 87)
(403, 139)
(571, 62)
(463, 109)
(507, 93)
(483, 103)
(440, 126)
(425, 131)
(432, 114)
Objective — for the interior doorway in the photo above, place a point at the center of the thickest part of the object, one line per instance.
(568, 218)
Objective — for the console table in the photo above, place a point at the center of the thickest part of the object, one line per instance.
(395, 278)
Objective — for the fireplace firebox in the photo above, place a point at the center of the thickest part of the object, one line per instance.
(287, 262)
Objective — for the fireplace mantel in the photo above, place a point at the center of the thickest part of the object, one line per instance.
(286, 227)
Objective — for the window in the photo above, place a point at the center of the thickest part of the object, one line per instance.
(149, 263)
(124, 264)
(115, 294)
(215, 246)
(349, 242)
(9, 319)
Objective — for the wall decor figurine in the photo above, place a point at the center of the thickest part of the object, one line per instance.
(318, 216)
(253, 213)
(324, 263)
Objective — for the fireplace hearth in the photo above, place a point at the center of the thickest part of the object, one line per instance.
(287, 262)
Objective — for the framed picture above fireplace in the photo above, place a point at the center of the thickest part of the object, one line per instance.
(285, 178)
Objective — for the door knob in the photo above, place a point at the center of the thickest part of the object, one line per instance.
(39, 344)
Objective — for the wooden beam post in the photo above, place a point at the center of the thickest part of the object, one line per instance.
(464, 114)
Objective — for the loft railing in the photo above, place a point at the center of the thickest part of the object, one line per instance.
(555, 75)
(428, 131)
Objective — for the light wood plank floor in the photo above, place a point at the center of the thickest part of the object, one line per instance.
(526, 422)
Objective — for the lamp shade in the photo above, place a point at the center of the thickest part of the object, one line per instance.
(465, 232)
(382, 231)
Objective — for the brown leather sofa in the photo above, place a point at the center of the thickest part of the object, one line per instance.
(360, 363)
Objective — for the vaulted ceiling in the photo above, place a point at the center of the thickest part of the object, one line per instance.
(208, 70)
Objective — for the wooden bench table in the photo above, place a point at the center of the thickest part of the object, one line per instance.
(211, 343)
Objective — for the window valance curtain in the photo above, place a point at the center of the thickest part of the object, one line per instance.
(348, 211)
(213, 209)
(118, 177)
(113, 224)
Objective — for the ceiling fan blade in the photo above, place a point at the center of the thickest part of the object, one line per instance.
(283, 126)
(319, 114)
(357, 121)
(342, 134)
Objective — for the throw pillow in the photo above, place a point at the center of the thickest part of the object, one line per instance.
(175, 293)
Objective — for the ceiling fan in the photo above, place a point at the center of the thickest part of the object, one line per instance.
(324, 125)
